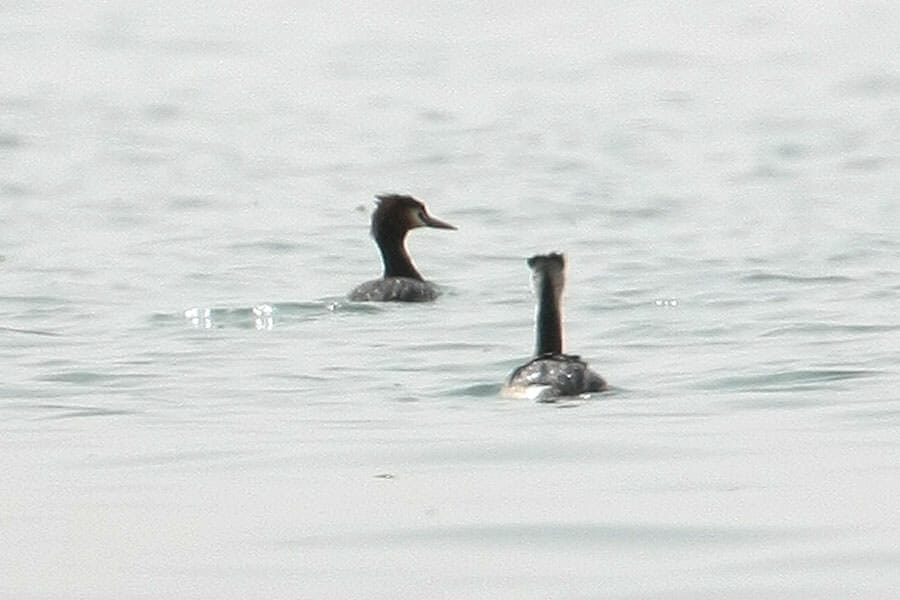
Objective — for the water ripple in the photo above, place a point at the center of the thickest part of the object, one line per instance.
(815, 328)
(11, 140)
(76, 412)
(95, 378)
(268, 246)
(872, 85)
(763, 277)
(28, 331)
(788, 380)
(563, 534)
(479, 390)
(266, 316)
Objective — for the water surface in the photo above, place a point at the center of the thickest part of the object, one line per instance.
(189, 407)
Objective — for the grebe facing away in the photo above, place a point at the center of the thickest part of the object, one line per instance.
(392, 219)
(550, 374)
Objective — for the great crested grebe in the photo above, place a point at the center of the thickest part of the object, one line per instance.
(393, 218)
(551, 373)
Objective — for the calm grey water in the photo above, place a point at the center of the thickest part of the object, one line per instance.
(189, 408)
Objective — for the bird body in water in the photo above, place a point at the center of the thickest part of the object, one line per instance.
(394, 217)
(551, 373)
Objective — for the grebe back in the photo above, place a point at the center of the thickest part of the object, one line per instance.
(551, 373)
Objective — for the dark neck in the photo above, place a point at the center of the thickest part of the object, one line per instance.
(549, 320)
(397, 262)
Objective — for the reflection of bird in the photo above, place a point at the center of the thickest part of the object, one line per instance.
(551, 373)
(401, 282)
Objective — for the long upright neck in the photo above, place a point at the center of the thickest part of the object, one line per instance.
(397, 262)
(549, 319)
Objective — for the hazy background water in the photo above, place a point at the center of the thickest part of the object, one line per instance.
(190, 409)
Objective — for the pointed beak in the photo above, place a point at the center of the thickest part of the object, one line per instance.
(430, 221)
